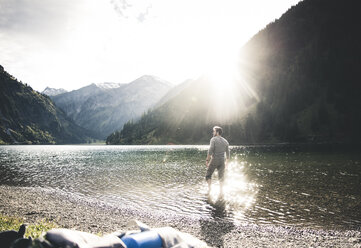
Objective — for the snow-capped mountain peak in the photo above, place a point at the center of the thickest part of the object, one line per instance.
(108, 85)
(53, 92)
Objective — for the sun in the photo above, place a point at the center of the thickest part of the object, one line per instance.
(221, 74)
(230, 91)
(221, 70)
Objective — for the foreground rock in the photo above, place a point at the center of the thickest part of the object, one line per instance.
(84, 214)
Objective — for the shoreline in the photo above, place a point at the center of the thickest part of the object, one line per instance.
(36, 204)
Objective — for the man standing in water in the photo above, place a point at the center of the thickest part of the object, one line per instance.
(215, 157)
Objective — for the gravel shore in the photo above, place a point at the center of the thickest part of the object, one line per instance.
(84, 214)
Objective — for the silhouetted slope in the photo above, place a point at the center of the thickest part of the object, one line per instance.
(305, 69)
(28, 117)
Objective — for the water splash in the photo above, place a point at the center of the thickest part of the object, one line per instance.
(239, 193)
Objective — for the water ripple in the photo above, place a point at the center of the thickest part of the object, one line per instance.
(266, 187)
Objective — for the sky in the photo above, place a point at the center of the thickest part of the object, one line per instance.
(73, 43)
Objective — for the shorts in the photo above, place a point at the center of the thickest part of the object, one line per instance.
(214, 164)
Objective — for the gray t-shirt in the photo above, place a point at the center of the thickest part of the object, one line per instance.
(219, 146)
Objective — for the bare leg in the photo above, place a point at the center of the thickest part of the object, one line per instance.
(221, 188)
(209, 181)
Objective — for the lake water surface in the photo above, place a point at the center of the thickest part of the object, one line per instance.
(278, 185)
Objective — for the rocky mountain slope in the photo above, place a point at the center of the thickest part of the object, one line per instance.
(106, 107)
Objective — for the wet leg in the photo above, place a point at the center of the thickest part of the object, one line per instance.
(209, 181)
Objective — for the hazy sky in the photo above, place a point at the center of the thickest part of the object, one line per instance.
(72, 43)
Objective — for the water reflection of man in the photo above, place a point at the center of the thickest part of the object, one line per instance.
(220, 223)
(216, 159)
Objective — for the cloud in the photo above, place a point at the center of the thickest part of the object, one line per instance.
(120, 6)
(67, 43)
(142, 16)
(31, 31)
(132, 9)
(35, 17)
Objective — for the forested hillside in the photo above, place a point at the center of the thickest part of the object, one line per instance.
(186, 118)
(306, 66)
(305, 71)
(28, 117)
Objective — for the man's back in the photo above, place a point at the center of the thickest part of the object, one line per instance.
(218, 146)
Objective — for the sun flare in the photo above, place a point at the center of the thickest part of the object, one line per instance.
(230, 92)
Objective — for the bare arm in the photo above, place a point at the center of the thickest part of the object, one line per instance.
(228, 155)
(210, 152)
(208, 159)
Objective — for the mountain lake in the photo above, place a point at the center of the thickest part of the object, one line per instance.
(302, 186)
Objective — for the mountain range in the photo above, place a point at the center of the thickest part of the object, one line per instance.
(104, 108)
(300, 82)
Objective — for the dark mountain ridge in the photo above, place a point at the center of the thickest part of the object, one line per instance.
(305, 67)
(28, 117)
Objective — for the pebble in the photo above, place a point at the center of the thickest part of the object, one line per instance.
(90, 216)
(354, 240)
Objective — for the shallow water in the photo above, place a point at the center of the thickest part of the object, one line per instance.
(279, 185)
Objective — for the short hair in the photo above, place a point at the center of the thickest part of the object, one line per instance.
(218, 129)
